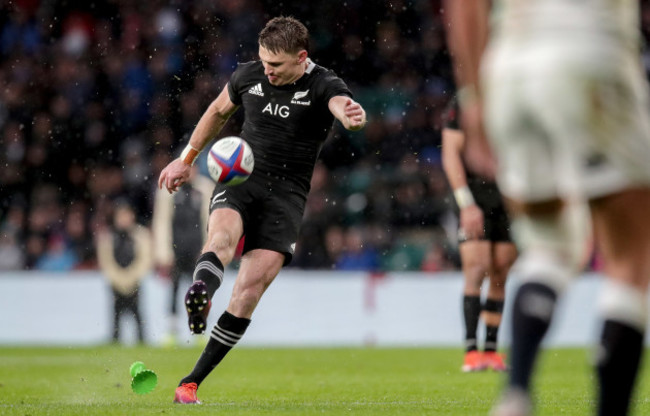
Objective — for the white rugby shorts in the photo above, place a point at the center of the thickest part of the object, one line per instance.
(561, 127)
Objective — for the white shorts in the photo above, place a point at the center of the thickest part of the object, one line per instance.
(564, 129)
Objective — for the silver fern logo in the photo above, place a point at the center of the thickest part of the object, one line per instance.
(299, 95)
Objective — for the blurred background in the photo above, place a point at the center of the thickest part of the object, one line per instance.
(97, 96)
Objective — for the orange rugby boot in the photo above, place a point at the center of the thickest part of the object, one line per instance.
(473, 362)
(186, 394)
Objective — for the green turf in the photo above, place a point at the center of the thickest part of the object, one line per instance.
(95, 381)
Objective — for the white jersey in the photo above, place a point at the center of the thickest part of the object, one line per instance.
(566, 98)
(599, 33)
(617, 20)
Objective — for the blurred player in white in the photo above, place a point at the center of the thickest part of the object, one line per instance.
(567, 115)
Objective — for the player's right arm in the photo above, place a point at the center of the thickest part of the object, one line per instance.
(177, 172)
(471, 216)
(349, 112)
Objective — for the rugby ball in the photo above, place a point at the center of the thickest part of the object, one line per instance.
(230, 161)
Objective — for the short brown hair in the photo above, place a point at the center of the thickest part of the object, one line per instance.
(284, 34)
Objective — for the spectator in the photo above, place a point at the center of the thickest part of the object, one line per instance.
(117, 86)
(124, 254)
(358, 254)
(58, 256)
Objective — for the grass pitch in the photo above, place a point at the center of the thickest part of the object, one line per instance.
(418, 381)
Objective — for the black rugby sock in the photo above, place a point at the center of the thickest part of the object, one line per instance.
(491, 334)
(471, 312)
(493, 306)
(225, 334)
(619, 357)
(533, 309)
(210, 270)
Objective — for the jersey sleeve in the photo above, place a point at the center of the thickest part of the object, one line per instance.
(451, 117)
(330, 86)
(234, 85)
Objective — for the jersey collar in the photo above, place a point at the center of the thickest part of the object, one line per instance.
(310, 66)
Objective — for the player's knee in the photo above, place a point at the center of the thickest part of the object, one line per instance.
(545, 267)
(475, 271)
(499, 273)
(224, 244)
(552, 249)
(501, 266)
(624, 303)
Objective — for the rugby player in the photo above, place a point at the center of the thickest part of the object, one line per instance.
(486, 250)
(290, 104)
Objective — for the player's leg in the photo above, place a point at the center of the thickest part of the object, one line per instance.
(503, 256)
(551, 248)
(257, 271)
(475, 257)
(134, 307)
(175, 277)
(172, 318)
(225, 228)
(532, 125)
(117, 312)
(622, 229)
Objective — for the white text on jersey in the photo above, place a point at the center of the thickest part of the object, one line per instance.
(277, 110)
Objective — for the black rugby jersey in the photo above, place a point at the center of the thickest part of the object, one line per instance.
(485, 192)
(285, 125)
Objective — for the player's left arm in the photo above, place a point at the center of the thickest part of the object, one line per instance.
(348, 112)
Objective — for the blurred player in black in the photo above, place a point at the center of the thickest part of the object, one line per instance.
(179, 226)
(486, 250)
(290, 104)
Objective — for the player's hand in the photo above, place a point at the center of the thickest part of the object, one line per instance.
(174, 175)
(477, 153)
(471, 222)
(355, 114)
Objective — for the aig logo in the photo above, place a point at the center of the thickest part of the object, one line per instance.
(277, 110)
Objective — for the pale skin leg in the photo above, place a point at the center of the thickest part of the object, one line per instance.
(481, 260)
(476, 258)
(258, 267)
(622, 231)
(225, 228)
(256, 272)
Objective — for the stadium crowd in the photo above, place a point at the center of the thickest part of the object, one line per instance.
(95, 98)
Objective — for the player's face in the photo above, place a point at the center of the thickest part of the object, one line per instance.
(282, 68)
